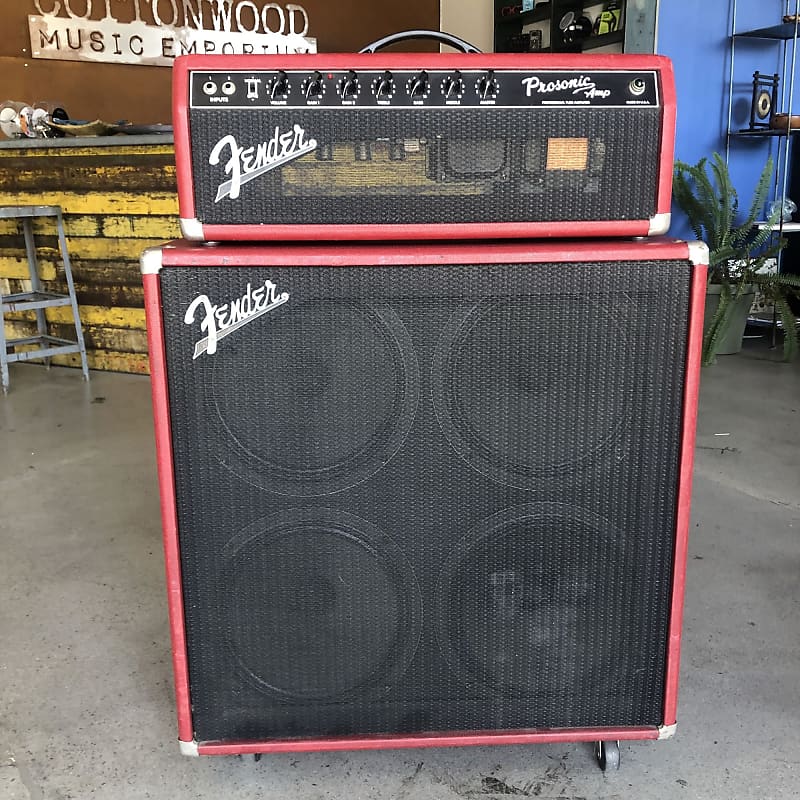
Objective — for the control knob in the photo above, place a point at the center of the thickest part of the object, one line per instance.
(383, 87)
(487, 86)
(349, 87)
(313, 88)
(453, 86)
(419, 86)
(279, 87)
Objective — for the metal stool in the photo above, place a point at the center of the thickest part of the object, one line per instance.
(38, 299)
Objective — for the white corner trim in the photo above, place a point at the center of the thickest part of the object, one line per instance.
(192, 229)
(667, 731)
(150, 261)
(188, 748)
(698, 253)
(659, 224)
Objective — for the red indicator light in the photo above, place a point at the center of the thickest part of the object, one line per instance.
(330, 76)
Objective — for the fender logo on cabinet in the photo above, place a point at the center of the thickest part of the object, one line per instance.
(219, 321)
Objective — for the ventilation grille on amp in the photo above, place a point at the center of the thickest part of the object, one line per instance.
(378, 167)
(428, 499)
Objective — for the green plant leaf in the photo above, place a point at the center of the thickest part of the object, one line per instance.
(790, 328)
(738, 250)
(720, 323)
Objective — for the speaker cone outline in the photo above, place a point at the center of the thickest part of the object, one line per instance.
(327, 605)
(315, 440)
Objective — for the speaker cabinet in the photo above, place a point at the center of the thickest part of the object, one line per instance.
(420, 495)
(423, 146)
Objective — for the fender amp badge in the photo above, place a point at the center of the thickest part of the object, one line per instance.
(219, 321)
(609, 89)
(248, 163)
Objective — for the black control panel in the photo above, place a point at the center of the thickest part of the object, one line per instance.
(410, 88)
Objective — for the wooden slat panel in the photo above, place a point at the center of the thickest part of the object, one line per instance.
(91, 293)
(149, 227)
(96, 337)
(114, 295)
(13, 264)
(89, 158)
(136, 363)
(129, 227)
(101, 271)
(81, 247)
(95, 249)
(111, 202)
(107, 273)
(120, 270)
(118, 148)
(30, 177)
(112, 361)
(129, 318)
(46, 226)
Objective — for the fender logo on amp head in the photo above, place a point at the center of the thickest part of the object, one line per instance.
(247, 163)
(219, 321)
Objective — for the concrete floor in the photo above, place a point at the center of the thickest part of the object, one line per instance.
(86, 705)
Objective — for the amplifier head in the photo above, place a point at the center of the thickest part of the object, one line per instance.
(419, 495)
(391, 146)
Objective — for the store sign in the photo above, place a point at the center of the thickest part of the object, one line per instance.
(83, 30)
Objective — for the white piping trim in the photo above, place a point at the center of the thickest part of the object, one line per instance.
(698, 253)
(192, 229)
(150, 262)
(189, 748)
(667, 731)
(659, 224)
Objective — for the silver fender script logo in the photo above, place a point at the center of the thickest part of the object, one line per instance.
(246, 163)
(218, 322)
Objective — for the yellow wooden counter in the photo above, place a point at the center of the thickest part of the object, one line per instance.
(118, 195)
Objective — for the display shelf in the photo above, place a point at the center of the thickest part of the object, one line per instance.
(767, 320)
(508, 26)
(615, 37)
(539, 14)
(787, 227)
(783, 35)
(773, 132)
(783, 32)
(778, 41)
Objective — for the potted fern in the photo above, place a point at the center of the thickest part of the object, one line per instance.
(738, 254)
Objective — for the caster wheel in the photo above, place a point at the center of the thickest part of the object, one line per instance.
(607, 755)
(256, 757)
